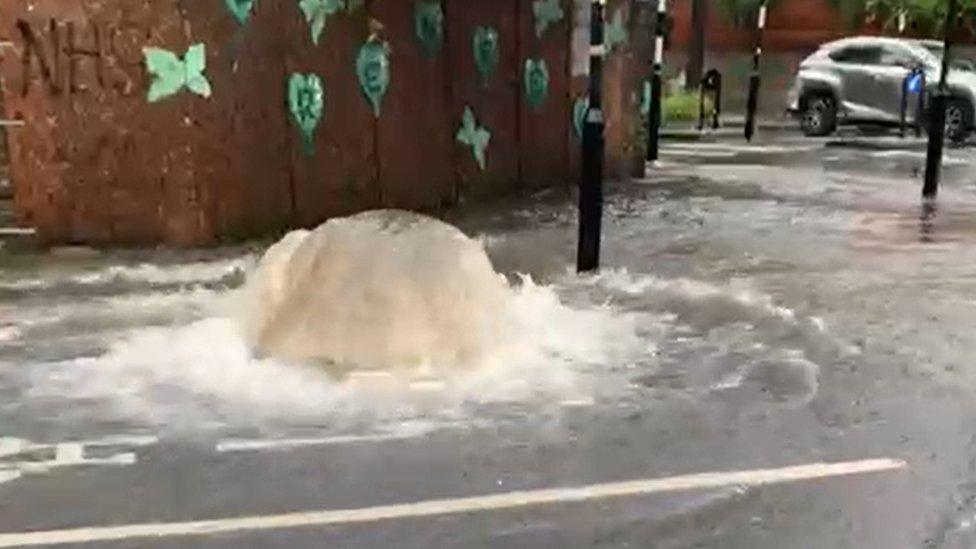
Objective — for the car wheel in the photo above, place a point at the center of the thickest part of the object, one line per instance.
(958, 121)
(819, 116)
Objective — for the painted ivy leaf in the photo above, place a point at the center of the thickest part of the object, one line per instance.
(317, 12)
(536, 80)
(580, 107)
(616, 31)
(171, 74)
(475, 137)
(485, 45)
(195, 62)
(373, 71)
(240, 8)
(306, 103)
(428, 18)
(547, 12)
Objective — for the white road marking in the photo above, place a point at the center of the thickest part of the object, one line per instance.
(65, 454)
(766, 149)
(510, 500)
(578, 402)
(7, 476)
(702, 154)
(245, 445)
(41, 467)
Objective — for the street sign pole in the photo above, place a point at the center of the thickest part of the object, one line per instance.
(654, 113)
(591, 188)
(933, 158)
(753, 101)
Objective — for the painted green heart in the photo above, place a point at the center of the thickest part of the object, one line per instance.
(317, 12)
(171, 74)
(547, 13)
(240, 8)
(306, 102)
(616, 31)
(474, 136)
(428, 19)
(536, 82)
(373, 71)
(485, 44)
(580, 108)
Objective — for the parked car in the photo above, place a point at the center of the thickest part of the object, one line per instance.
(859, 81)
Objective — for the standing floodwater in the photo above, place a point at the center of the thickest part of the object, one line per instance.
(762, 307)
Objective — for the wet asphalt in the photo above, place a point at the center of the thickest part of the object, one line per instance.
(795, 300)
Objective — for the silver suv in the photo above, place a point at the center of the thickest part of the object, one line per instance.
(859, 81)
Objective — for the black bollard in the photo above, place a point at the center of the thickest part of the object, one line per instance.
(933, 158)
(654, 113)
(752, 103)
(711, 83)
(591, 187)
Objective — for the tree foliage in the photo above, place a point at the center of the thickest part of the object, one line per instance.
(922, 17)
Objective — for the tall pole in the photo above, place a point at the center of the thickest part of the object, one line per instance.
(753, 102)
(933, 158)
(654, 113)
(696, 55)
(591, 188)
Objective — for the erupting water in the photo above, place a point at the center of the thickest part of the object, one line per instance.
(384, 289)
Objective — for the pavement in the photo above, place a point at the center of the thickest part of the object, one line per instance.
(774, 356)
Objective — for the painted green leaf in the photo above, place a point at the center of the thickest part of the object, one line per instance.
(306, 103)
(616, 30)
(240, 8)
(353, 5)
(536, 82)
(475, 137)
(170, 74)
(317, 12)
(429, 25)
(580, 107)
(373, 71)
(195, 60)
(486, 55)
(199, 85)
(547, 13)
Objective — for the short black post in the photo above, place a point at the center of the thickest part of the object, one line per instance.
(591, 188)
(752, 103)
(654, 113)
(933, 158)
(713, 82)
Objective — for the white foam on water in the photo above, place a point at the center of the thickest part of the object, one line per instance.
(424, 325)
(144, 273)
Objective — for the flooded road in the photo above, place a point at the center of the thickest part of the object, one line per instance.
(760, 307)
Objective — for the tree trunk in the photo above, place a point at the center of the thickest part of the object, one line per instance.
(696, 53)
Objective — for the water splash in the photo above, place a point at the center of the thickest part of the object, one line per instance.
(384, 316)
